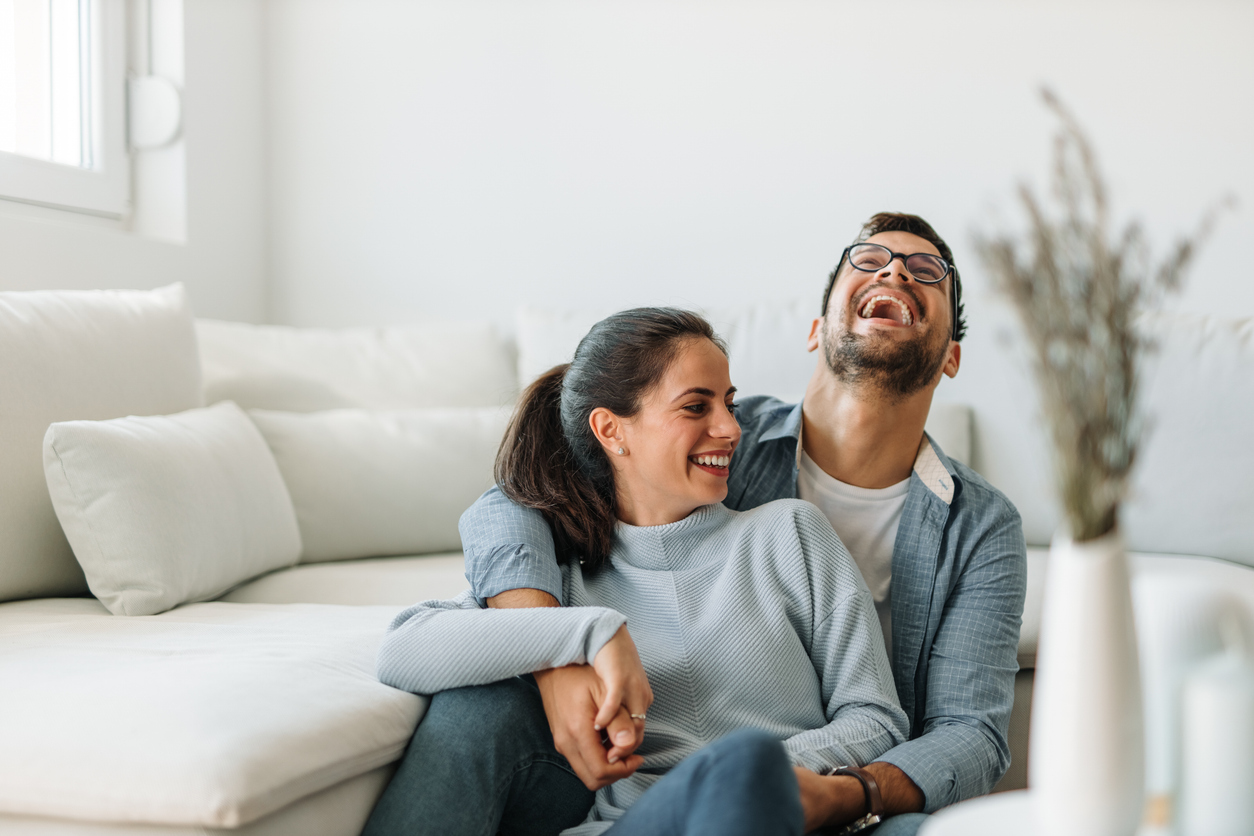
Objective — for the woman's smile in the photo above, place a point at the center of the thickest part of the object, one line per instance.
(677, 449)
(714, 462)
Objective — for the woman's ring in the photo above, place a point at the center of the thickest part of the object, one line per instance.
(637, 716)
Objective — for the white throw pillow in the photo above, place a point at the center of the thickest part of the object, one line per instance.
(168, 509)
(450, 364)
(68, 355)
(368, 484)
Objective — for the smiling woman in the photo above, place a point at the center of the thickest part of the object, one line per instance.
(642, 394)
(676, 450)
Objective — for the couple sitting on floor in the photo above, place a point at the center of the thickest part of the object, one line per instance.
(709, 656)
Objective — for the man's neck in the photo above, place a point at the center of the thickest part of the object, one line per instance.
(858, 435)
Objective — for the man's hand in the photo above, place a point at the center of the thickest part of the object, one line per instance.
(829, 799)
(572, 696)
(899, 793)
(839, 799)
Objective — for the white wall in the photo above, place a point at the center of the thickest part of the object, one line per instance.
(446, 159)
(224, 260)
(436, 160)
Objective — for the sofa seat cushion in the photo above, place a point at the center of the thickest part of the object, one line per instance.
(400, 581)
(211, 714)
(340, 810)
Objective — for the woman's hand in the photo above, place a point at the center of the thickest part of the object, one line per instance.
(626, 686)
(572, 696)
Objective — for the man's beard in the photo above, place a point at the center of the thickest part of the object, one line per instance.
(896, 369)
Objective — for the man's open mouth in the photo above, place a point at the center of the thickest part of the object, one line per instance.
(886, 307)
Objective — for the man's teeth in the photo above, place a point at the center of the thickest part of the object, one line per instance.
(868, 308)
(712, 461)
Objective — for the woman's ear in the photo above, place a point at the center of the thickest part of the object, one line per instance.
(608, 428)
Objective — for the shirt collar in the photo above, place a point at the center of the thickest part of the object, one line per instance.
(935, 470)
(931, 465)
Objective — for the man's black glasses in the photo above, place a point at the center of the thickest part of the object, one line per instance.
(923, 267)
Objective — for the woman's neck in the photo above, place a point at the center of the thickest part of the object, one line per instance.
(637, 511)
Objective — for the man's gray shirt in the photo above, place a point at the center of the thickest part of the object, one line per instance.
(959, 580)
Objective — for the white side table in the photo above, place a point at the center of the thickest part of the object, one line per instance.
(1003, 814)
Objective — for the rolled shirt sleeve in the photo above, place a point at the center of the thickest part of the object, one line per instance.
(508, 547)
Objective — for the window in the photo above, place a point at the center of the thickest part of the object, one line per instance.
(62, 104)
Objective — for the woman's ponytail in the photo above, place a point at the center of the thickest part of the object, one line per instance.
(536, 468)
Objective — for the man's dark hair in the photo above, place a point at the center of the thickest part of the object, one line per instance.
(551, 461)
(913, 224)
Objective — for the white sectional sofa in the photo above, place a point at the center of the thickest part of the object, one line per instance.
(242, 697)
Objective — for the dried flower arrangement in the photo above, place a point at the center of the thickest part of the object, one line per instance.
(1079, 292)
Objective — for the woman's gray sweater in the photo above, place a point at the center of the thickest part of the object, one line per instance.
(742, 619)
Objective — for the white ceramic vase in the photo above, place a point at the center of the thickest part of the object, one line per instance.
(1086, 768)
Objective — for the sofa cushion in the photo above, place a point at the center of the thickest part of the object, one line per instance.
(310, 369)
(386, 580)
(162, 510)
(67, 355)
(368, 484)
(1193, 489)
(1190, 491)
(340, 810)
(211, 714)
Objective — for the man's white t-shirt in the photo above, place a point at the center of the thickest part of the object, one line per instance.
(866, 520)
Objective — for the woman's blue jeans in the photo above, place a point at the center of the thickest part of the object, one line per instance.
(482, 762)
(740, 785)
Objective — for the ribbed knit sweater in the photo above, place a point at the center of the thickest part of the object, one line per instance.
(742, 619)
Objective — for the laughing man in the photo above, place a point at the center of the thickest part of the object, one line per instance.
(941, 550)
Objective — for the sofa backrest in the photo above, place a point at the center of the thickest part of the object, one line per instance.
(1194, 487)
(69, 355)
(445, 364)
(767, 343)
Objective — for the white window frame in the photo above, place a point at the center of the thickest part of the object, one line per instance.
(104, 190)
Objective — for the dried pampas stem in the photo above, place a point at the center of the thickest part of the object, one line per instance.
(1079, 293)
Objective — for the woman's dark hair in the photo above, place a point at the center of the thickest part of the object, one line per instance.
(551, 461)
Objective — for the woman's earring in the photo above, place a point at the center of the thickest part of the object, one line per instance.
(621, 451)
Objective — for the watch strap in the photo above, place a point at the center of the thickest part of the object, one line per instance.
(874, 802)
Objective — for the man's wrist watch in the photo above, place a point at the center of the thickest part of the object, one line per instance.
(874, 802)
